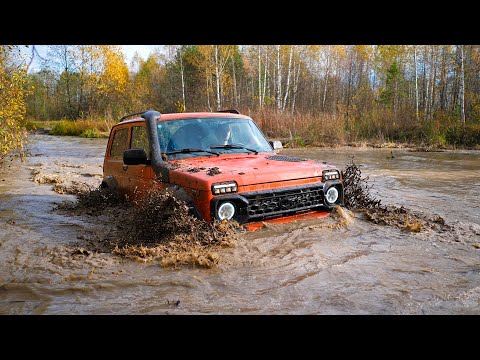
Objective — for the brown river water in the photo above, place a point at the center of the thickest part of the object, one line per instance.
(296, 268)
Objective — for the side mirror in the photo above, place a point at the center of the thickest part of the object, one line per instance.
(276, 145)
(134, 157)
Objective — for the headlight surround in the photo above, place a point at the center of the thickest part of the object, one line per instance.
(331, 195)
(330, 175)
(224, 188)
(226, 211)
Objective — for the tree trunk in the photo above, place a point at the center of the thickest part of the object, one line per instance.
(427, 86)
(424, 80)
(183, 81)
(327, 71)
(67, 81)
(208, 90)
(217, 76)
(434, 80)
(279, 80)
(461, 94)
(265, 76)
(416, 79)
(295, 89)
(234, 84)
(259, 79)
(287, 88)
(82, 81)
(443, 81)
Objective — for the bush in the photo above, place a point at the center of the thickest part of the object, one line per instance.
(90, 133)
(82, 128)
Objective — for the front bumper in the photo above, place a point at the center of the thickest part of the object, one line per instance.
(267, 204)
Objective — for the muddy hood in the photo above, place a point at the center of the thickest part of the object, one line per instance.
(251, 169)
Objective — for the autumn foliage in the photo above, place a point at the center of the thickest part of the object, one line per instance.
(13, 89)
(308, 94)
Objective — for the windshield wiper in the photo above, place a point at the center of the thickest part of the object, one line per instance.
(190, 150)
(229, 146)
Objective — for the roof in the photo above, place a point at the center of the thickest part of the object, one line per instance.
(174, 116)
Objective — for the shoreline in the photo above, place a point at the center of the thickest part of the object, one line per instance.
(402, 146)
(358, 144)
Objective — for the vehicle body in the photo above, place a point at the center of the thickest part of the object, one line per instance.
(235, 175)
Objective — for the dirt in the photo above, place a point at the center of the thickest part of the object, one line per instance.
(194, 170)
(158, 227)
(213, 171)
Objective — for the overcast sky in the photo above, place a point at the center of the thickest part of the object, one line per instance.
(129, 50)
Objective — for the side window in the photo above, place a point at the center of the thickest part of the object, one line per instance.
(140, 139)
(119, 143)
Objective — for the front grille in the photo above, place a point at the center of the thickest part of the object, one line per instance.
(264, 204)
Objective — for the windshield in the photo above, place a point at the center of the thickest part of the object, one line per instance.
(212, 134)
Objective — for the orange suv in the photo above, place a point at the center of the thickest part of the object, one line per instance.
(219, 163)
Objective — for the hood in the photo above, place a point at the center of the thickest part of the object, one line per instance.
(245, 169)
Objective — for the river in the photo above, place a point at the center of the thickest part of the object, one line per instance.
(297, 268)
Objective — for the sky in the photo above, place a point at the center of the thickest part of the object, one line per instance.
(129, 51)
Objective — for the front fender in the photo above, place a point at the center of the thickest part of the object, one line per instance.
(180, 193)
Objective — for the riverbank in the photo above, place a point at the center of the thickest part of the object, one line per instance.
(82, 128)
(384, 145)
(450, 138)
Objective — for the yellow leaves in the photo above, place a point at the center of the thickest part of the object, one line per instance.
(12, 105)
(364, 52)
(339, 51)
(114, 75)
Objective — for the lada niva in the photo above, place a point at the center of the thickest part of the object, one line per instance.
(219, 163)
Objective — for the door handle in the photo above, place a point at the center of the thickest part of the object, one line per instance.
(125, 167)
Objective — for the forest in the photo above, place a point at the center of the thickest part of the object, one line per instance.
(307, 94)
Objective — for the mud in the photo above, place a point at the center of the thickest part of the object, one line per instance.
(358, 197)
(213, 171)
(195, 170)
(53, 262)
(158, 227)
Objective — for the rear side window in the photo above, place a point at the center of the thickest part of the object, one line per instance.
(140, 139)
(119, 143)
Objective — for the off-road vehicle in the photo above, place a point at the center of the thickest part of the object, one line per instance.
(220, 163)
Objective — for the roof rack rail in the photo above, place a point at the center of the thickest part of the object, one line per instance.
(232, 111)
(127, 116)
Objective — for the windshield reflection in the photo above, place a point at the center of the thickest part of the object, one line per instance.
(215, 134)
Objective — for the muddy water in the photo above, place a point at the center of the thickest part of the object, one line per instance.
(298, 268)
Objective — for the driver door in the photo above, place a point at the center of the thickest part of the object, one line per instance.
(139, 177)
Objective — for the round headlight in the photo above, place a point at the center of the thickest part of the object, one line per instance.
(331, 195)
(226, 211)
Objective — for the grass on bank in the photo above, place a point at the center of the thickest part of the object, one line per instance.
(370, 129)
(84, 128)
(322, 129)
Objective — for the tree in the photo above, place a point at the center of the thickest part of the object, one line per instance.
(13, 90)
(461, 97)
(388, 95)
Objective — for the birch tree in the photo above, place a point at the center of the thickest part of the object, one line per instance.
(461, 95)
(416, 79)
(279, 80)
(287, 88)
(183, 79)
